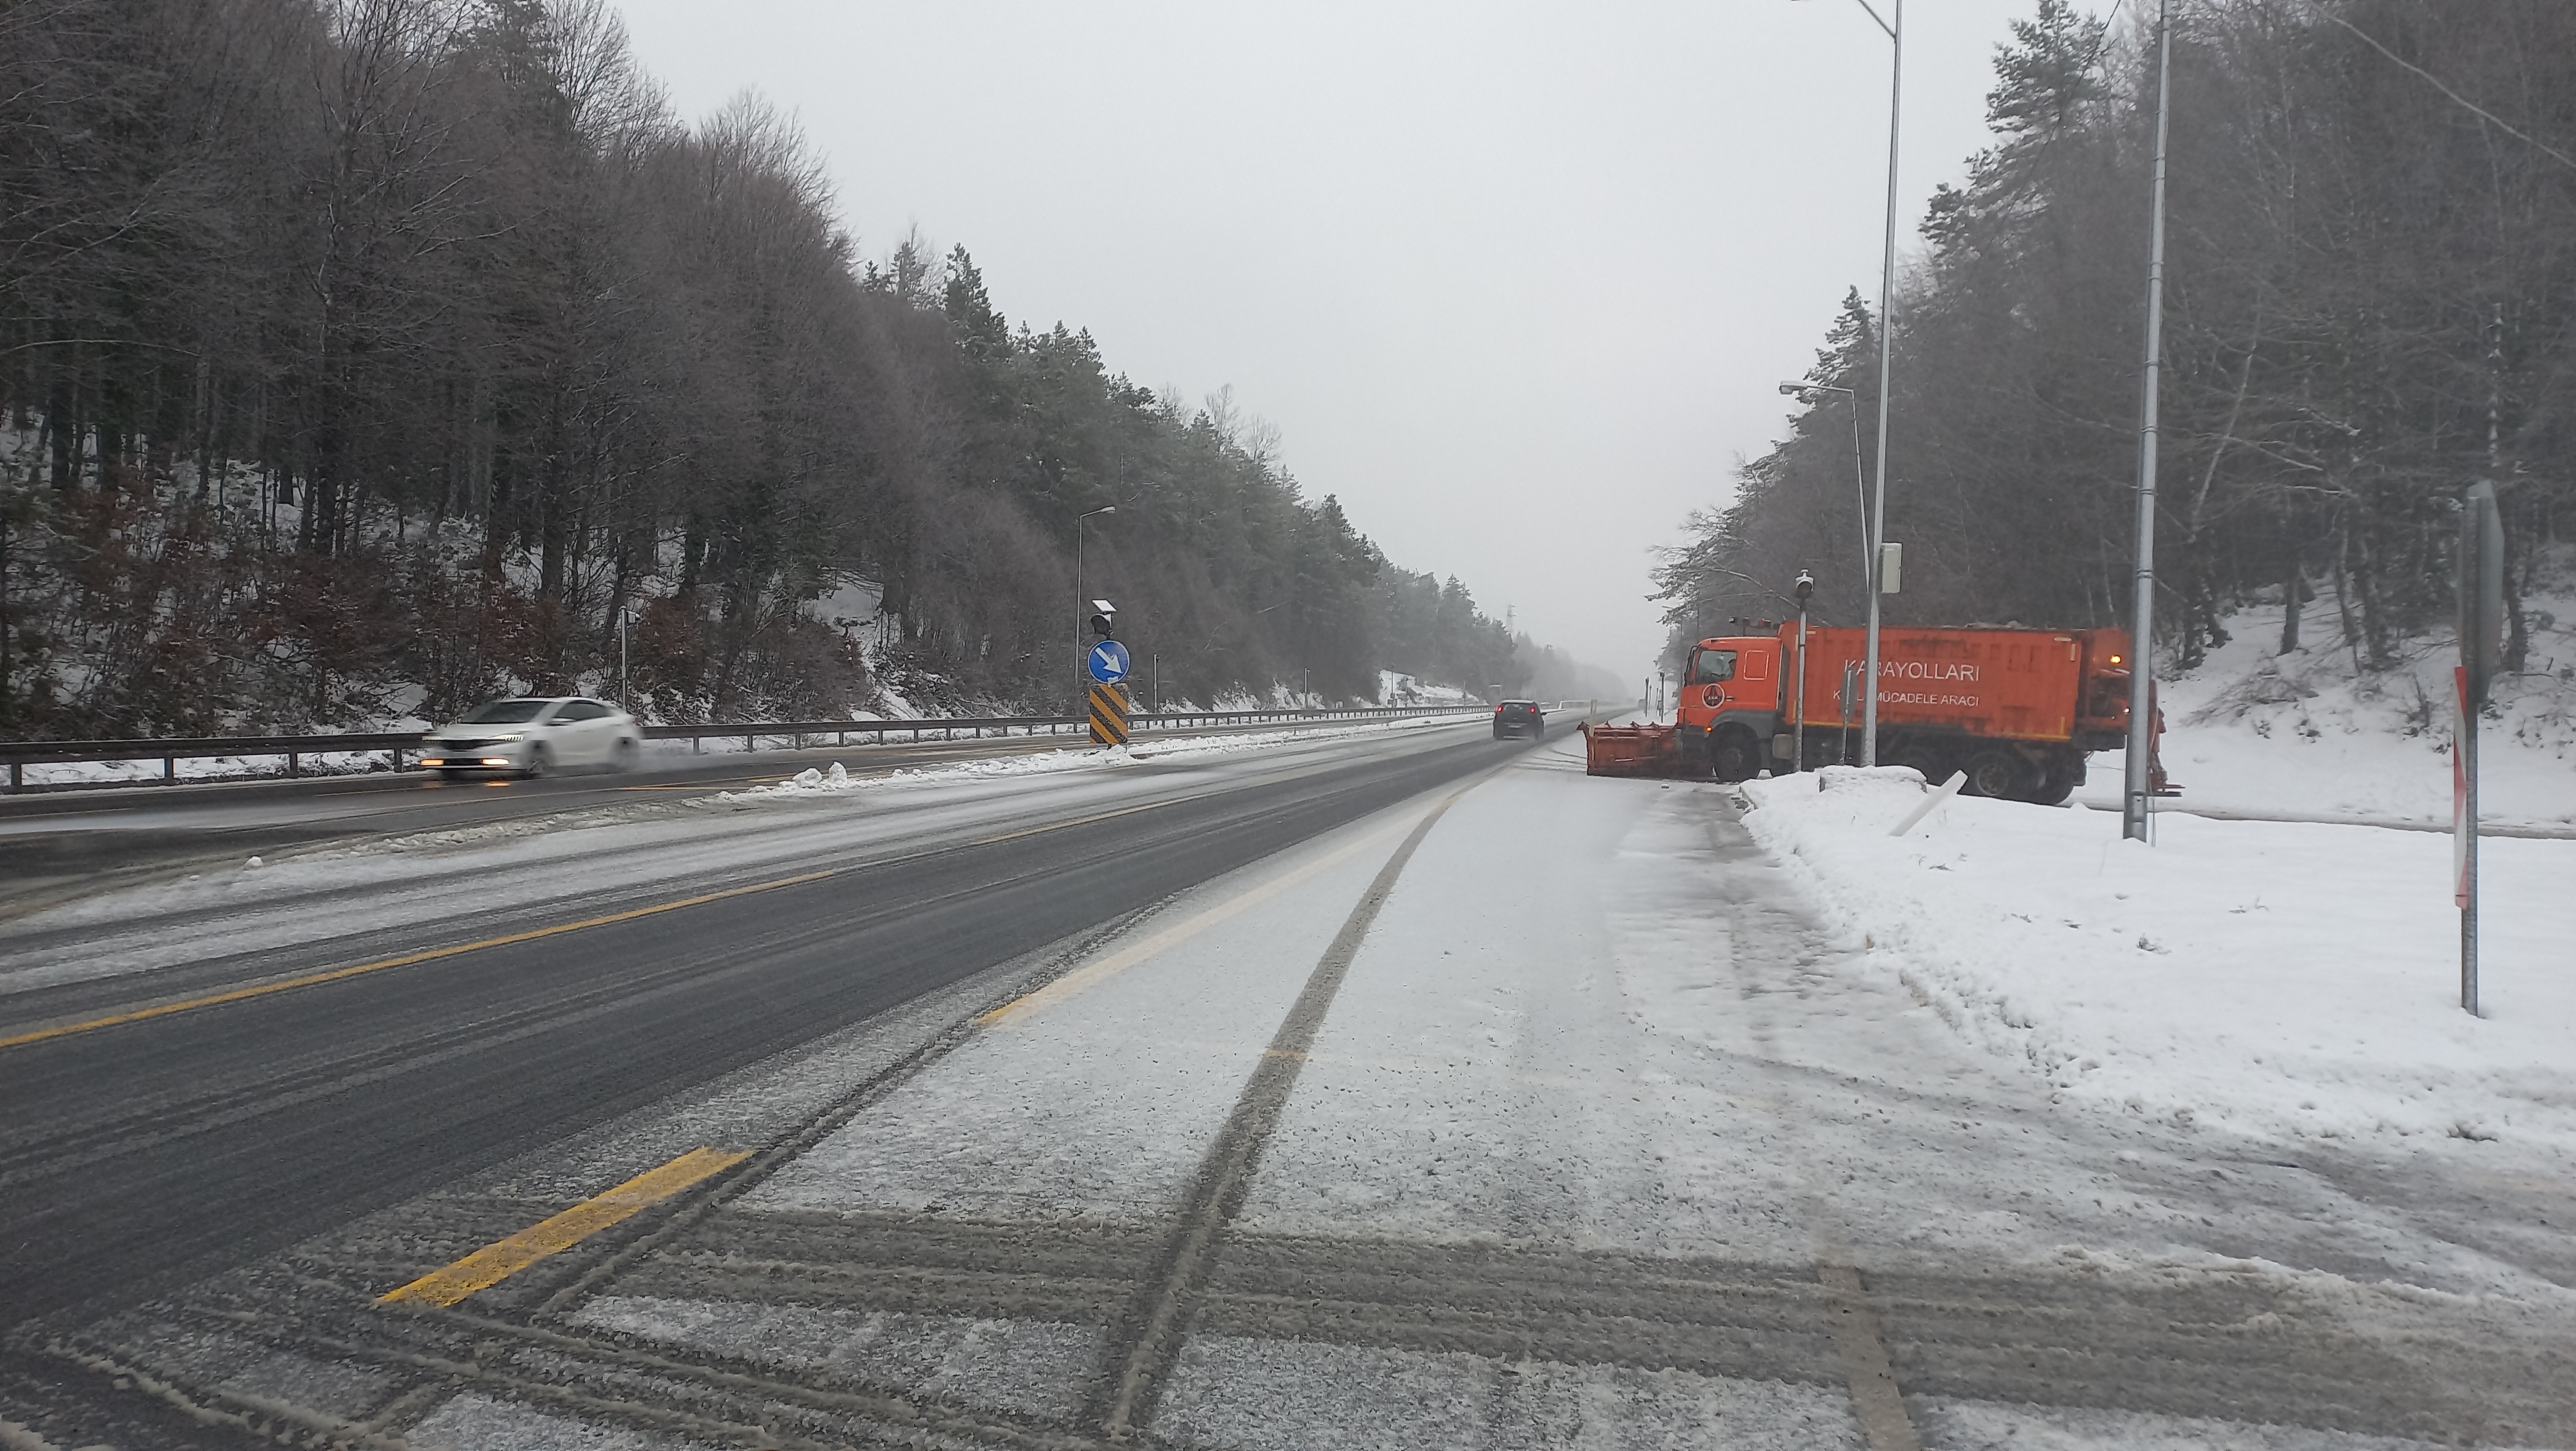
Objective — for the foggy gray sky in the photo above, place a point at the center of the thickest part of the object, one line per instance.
(1515, 281)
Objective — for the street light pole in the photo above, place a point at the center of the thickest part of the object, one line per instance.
(2135, 785)
(1081, 601)
(1886, 352)
(1895, 28)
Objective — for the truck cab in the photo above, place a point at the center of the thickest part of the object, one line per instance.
(1729, 707)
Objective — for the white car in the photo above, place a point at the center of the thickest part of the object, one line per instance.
(532, 735)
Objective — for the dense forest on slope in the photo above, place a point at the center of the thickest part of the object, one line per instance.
(2370, 304)
(360, 358)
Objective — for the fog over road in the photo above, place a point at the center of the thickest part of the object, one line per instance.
(1399, 1088)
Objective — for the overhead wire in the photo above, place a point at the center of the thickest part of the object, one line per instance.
(2500, 123)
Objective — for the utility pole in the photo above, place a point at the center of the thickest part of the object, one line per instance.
(2142, 645)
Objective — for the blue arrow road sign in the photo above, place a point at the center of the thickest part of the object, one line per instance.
(1108, 662)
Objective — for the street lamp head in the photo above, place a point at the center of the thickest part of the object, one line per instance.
(1792, 390)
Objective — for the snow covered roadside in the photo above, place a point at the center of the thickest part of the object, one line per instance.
(2256, 731)
(2280, 980)
(820, 781)
(203, 768)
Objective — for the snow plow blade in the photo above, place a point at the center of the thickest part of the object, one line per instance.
(1638, 750)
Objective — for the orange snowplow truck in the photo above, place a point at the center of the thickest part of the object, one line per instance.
(2018, 710)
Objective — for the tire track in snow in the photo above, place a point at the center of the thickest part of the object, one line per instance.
(1151, 1334)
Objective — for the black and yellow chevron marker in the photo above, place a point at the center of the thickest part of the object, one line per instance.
(1108, 716)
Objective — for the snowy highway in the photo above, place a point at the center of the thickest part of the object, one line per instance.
(1401, 1088)
(65, 843)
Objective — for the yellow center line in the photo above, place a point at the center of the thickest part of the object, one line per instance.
(311, 979)
(314, 979)
(499, 1260)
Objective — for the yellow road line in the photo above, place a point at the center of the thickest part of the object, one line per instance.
(499, 1260)
(313, 979)
(1127, 957)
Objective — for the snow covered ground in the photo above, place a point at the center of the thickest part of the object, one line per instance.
(202, 768)
(2256, 732)
(2285, 981)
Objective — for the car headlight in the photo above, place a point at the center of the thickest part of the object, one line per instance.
(513, 736)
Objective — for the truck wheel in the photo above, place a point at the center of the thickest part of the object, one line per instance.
(1734, 755)
(1691, 751)
(2065, 772)
(2003, 775)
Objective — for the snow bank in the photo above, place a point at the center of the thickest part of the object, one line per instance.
(2278, 979)
(206, 768)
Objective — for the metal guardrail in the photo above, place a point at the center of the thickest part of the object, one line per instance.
(797, 735)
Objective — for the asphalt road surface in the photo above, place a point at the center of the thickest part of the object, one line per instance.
(140, 1156)
(1400, 1089)
(57, 844)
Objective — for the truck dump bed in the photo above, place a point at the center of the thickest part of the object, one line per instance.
(2028, 685)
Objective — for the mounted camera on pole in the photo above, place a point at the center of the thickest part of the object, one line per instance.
(2481, 655)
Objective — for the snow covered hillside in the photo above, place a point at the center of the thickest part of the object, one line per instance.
(2307, 733)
